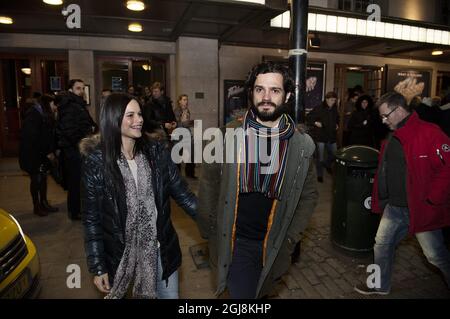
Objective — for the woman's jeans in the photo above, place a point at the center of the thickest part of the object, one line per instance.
(169, 289)
(393, 228)
(320, 160)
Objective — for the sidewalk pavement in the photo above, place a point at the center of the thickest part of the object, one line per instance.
(322, 272)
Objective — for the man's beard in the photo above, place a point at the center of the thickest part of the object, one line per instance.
(272, 116)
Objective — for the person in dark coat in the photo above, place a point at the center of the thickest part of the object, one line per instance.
(325, 120)
(158, 114)
(130, 242)
(74, 124)
(360, 123)
(37, 149)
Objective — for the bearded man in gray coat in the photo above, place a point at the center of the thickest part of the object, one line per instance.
(254, 209)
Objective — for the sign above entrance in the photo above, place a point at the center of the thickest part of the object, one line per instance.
(361, 27)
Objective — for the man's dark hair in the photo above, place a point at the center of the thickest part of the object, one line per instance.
(393, 99)
(73, 81)
(270, 67)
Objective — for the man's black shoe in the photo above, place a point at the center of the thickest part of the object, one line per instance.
(364, 290)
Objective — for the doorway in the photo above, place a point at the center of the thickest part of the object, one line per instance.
(117, 73)
(22, 76)
(443, 84)
(347, 77)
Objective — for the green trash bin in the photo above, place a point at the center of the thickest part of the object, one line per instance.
(353, 225)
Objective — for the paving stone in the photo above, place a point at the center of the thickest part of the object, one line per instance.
(336, 265)
(324, 291)
(332, 286)
(318, 270)
(330, 271)
(315, 257)
(304, 284)
(344, 285)
(310, 276)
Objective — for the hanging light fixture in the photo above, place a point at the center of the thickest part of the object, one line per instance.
(6, 20)
(135, 5)
(135, 27)
(26, 71)
(53, 2)
(146, 67)
(437, 52)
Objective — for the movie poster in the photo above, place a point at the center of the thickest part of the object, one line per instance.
(235, 99)
(407, 81)
(315, 84)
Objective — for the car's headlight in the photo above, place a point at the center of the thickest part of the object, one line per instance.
(19, 227)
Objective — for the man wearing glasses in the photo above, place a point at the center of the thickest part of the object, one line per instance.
(411, 188)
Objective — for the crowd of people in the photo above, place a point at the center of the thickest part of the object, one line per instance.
(120, 177)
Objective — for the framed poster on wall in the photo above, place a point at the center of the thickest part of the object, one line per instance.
(235, 98)
(315, 80)
(408, 81)
(315, 84)
(55, 83)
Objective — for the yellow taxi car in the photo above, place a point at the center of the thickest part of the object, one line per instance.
(19, 262)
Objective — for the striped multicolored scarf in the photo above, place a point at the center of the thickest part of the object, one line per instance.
(257, 172)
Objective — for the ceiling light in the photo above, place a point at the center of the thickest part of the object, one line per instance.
(6, 20)
(26, 71)
(53, 2)
(437, 52)
(146, 67)
(135, 5)
(253, 1)
(135, 27)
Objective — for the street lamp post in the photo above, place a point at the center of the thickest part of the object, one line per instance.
(297, 54)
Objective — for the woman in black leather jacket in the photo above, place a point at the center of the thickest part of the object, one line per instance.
(130, 242)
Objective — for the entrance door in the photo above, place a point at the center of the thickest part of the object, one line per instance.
(369, 78)
(21, 76)
(118, 73)
(15, 88)
(443, 84)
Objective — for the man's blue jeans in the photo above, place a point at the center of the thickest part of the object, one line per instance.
(320, 160)
(167, 290)
(393, 228)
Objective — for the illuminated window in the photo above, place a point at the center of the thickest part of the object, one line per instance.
(354, 5)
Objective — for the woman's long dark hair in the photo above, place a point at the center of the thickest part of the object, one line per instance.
(111, 116)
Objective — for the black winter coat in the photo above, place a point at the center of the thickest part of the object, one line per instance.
(156, 113)
(361, 133)
(74, 122)
(329, 119)
(104, 216)
(36, 141)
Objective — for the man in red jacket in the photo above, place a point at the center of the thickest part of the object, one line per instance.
(411, 188)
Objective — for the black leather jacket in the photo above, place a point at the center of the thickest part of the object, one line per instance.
(104, 216)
